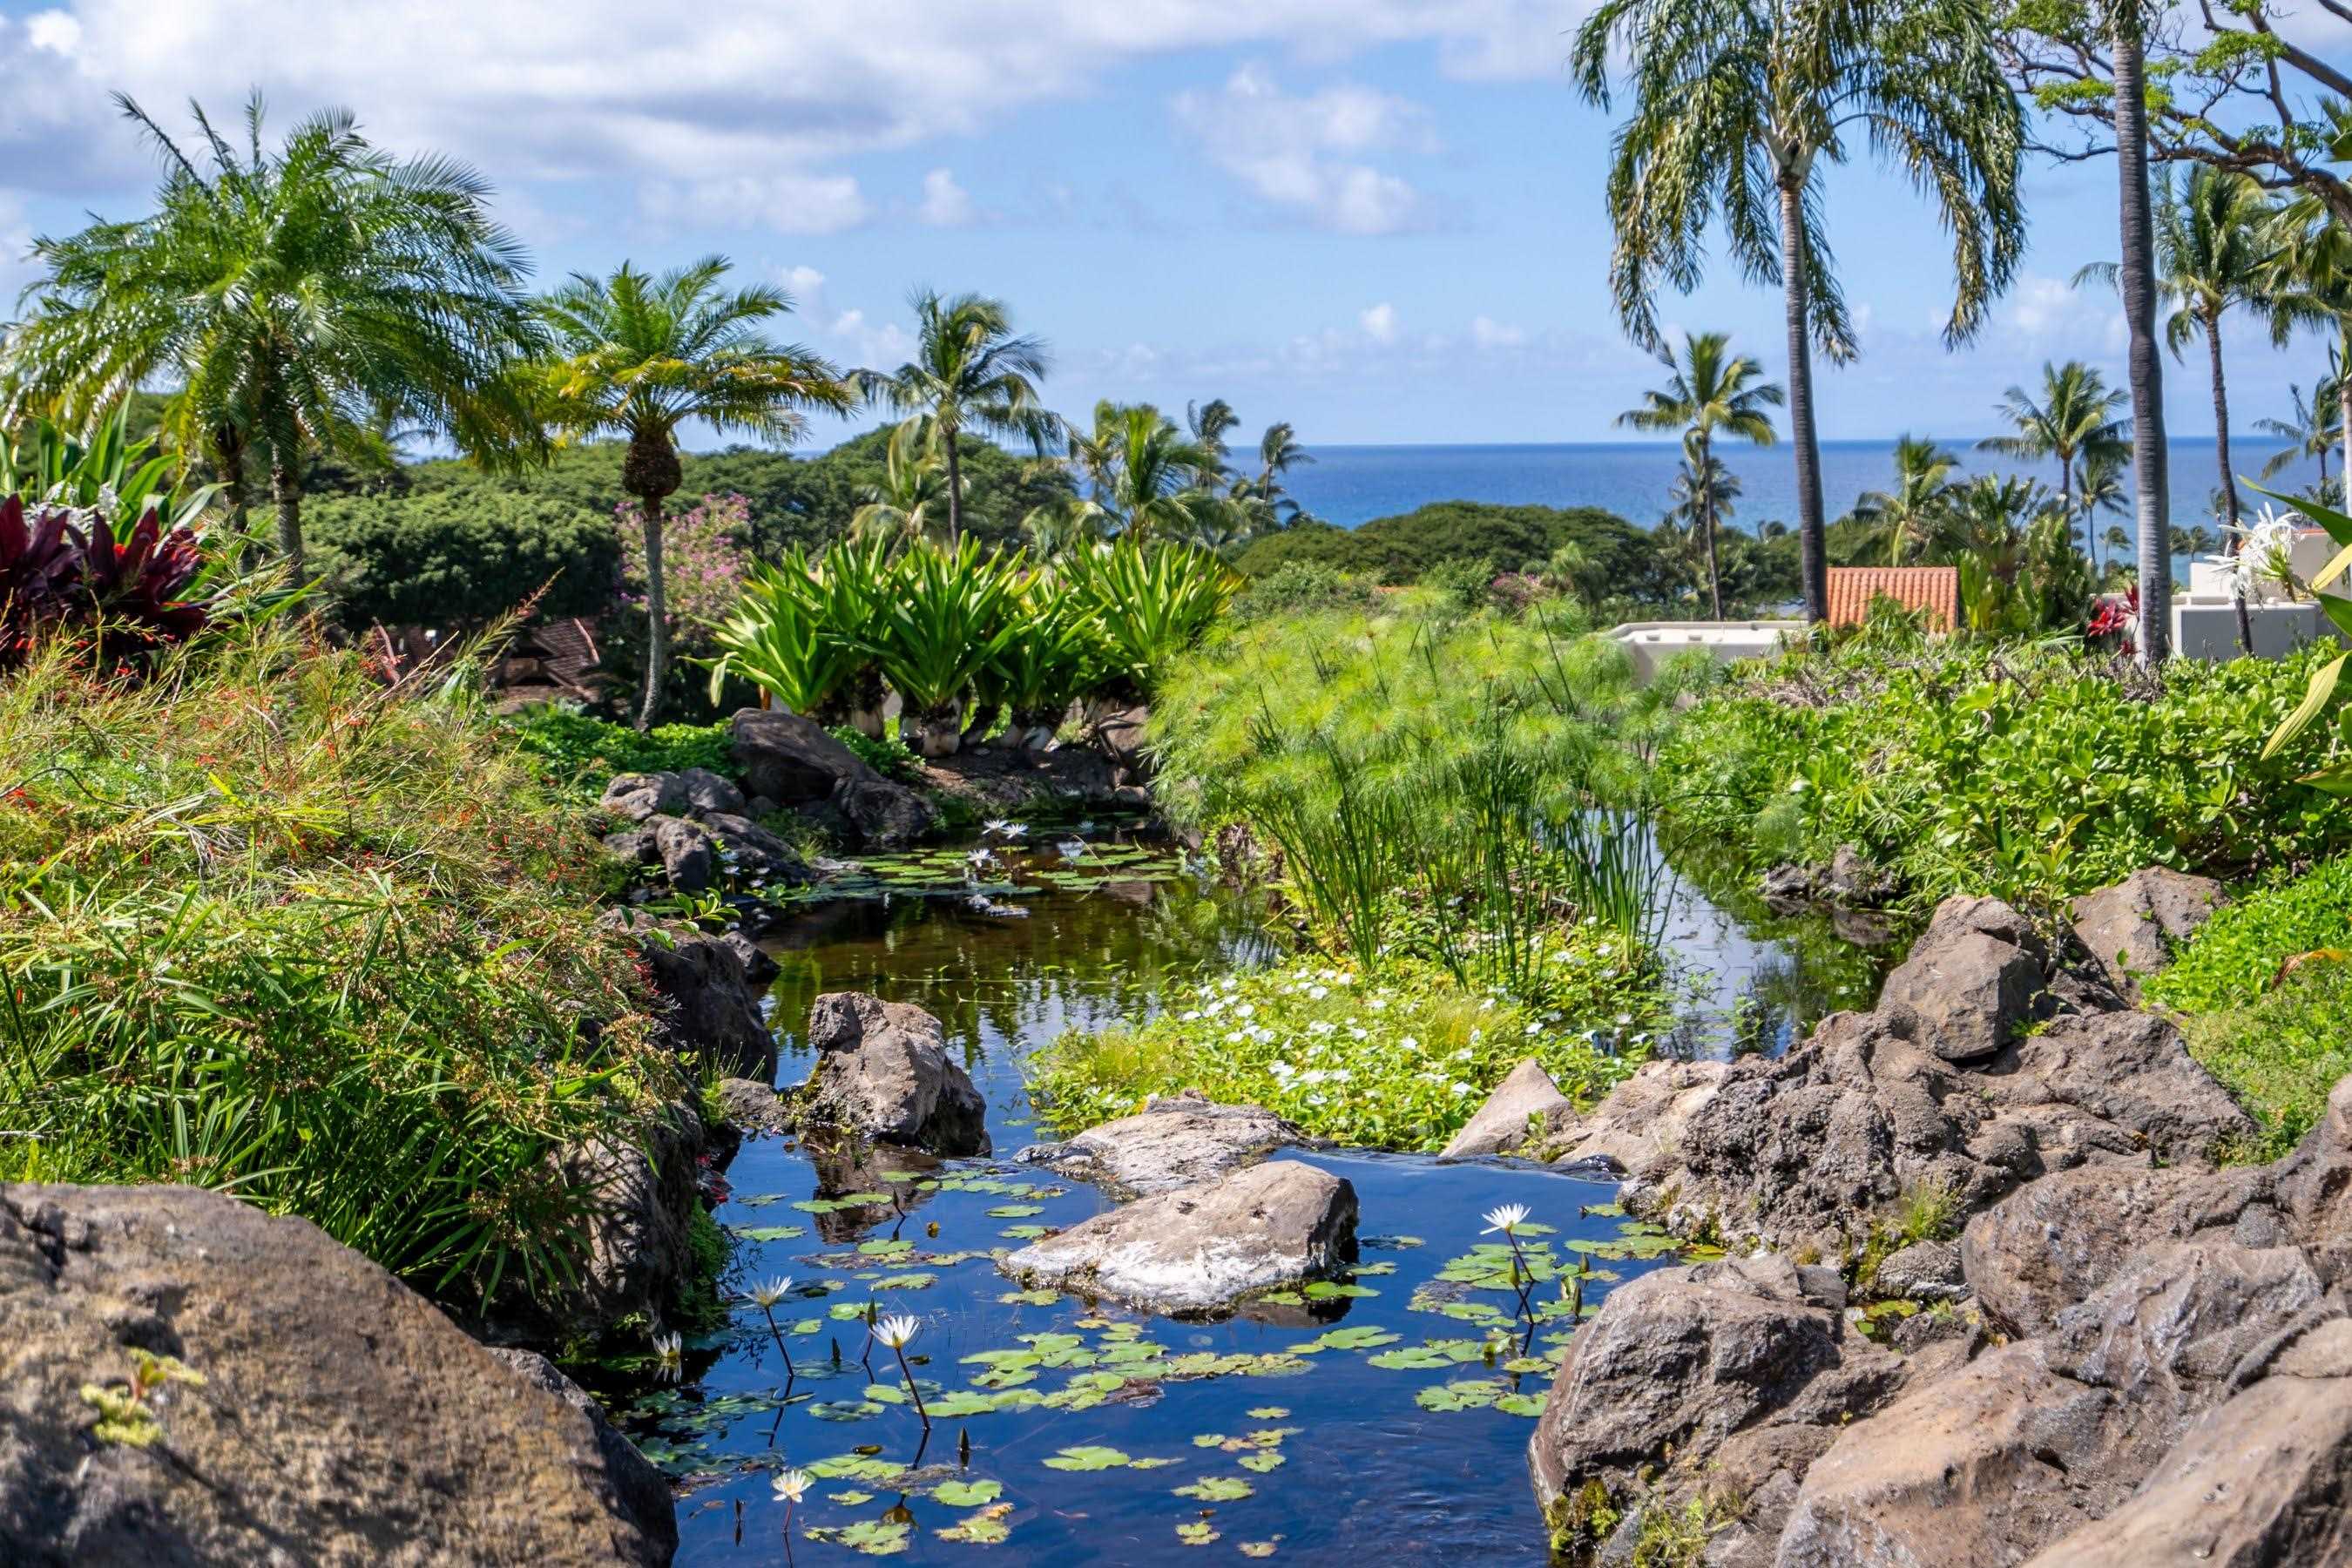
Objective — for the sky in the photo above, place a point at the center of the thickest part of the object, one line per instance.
(1382, 220)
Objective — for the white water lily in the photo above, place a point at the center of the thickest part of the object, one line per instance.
(897, 1332)
(669, 1354)
(999, 827)
(774, 1291)
(793, 1484)
(1506, 1219)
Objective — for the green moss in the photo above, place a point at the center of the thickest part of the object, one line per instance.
(701, 1306)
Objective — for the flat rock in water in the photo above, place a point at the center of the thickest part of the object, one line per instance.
(1203, 1249)
(341, 1418)
(1525, 1100)
(1176, 1140)
(883, 1071)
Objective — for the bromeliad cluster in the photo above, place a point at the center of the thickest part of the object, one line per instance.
(965, 637)
(125, 592)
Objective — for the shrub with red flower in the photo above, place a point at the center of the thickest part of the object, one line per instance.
(2117, 617)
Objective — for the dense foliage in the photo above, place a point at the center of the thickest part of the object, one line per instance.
(1984, 768)
(1402, 548)
(2281, 1052)
(1397, 1059)
(2242, 951)
(458, 560)
(579, 750)
(280, 930)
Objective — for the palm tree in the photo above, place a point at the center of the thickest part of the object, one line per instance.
(639, 355)
(1278, 452)
(2312, 285)
(1704, 492)
(1713, 389)
(972, 374)
(1143, 474)
(2136, 280)
(2099, 489)
(1913, 513)
(1210, 423)
(1740, 105)
(914, 487)
(2312, 433)
(2075, 418)
(309, 298)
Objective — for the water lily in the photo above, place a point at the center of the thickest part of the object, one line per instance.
(669, 1354)
(1506, 1219)
(793, 1484)
(999, 827)
(774, 1291)
(766, 1297)
(895, 1332)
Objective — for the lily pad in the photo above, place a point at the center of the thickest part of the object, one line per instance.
(1218, 1488)
(968, 1494)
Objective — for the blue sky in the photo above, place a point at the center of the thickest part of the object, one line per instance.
(1381, 219)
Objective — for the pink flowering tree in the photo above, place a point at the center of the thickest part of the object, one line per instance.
(706, 551)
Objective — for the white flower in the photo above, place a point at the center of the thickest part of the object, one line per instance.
(1410, 1043)
(1231, 984)
(1003, 829)
(793, 1484)
(1358, 1033)
(1246, 1010)
(774, 1291)
(1314, 1099)
(1532, 1030)
(895, 1332)
(1193, 1016)
(1506, 1219)
(1380, 1003)
(669, 1354)
(1460, 1089)
(2265, 553)
(1317, 993)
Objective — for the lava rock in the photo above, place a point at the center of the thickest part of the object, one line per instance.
(1973, 978)
(1526, 1099)
(759, 967)
(687, 853)
(754, 1107)
(2132, 928)
(708, 793)
(639, 795)
(1175, 1141)
(705, 1007)
(1204, 1249)
(883, 1071)
(1923, 1271)
(341, 1419)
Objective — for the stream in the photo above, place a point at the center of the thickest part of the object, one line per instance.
(1386, 1415)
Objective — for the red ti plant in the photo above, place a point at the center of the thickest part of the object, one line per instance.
(53, 576)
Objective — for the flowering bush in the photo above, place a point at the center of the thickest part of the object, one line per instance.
(706, 556)
(1399, 1061)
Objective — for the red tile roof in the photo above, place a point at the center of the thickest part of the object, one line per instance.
(1935, 589)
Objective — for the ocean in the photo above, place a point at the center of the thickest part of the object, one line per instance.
(1350, 486)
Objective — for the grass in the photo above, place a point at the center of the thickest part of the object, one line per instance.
(1397, 1061)
(274, 928)
(2282, 1053)
(584, 751)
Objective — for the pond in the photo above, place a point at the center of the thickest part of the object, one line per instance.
(1384, 1414)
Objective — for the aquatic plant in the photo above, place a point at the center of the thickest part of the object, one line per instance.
(765, 1298)
(897, 1333)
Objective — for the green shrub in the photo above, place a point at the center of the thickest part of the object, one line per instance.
(2282, 1052)
(1398, 1061)
(890, 756)
(2236, 955)
(579, 750)
(270, 928)
(1983, 768)
(1301, 587)
(1464, 585)
(458, 560)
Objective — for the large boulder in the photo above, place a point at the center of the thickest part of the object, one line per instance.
(340, 1418)
(707, 794)
(1730, 1376)
(1176, 1140)
(642, 1191)
(793, 761)
(883, 1071)
(2132, 928)
(639, 795)
(704, 1006)
(1203, 1249)
(1641, 1123)
(688, 855)
(1973, 978)
(1516, 1112)
(746, 848)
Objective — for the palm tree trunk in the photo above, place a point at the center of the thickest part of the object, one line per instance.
(2344, 407)
(1810, 542)
(286, 491)
(656, 613)
(2137, 275)
(1713, 573)
(955, 488)
(2229, 481)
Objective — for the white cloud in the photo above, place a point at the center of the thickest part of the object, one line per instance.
(945, 205)
(1489, 334)
(787, 203)
(1380, 322)
(1305, 154)
(844, 334)
(603, 88)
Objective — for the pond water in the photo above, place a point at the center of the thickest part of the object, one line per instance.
(1386, 1415)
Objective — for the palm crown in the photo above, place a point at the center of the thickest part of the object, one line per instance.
(309, 296)
(1712, 390)
(970, 372)
(2077, 417)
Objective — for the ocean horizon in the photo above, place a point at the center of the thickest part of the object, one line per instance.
(1350, 485)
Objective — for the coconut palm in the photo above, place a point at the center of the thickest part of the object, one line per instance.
(637, 356)
(1711, 390)
(2075, 419)
(1911, 515)
(1210, 424)
(2136, 280)
(2313, 432)
(912, 496)
(1704, 493)
(1739, 108)
(305, 299)
(2311, 286)
(1143, 475)
(2099, 489)
(972, 374)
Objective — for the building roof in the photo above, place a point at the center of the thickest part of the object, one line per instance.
(1935, 589)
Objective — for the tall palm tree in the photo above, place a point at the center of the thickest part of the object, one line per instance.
(637, 356)
(1713, 389)
(1143, 471)
(2311, 286)
(1740, 106)
(2075, 418)
(1210, 424)
(2136, 282)
(913, 493)
(2314, 431)
(1704, 491)
(1278, 452)
(974, 375)
(2099, 489)
(1913, 513)
(305, 299)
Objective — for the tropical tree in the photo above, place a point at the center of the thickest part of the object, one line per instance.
(1143, 473)
(1911, 515)
(2136, 280)
(972, 374)
(637, 356)
(2314, 431)
(1711, 390)
(2311, 284)
(2075, 419)
(912, 495)
(1278, 452)
(305, 299)
(1704, 492)
(1739, 107)
(1210, 424)
(2099, 490)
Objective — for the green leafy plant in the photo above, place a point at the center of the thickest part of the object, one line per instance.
(950, 617)
(1152, 599)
